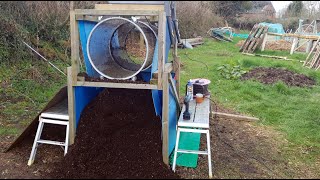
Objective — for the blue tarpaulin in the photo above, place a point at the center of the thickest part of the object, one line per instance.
(83, 95)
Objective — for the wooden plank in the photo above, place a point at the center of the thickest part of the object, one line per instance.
(74, 36)
(199, 114)
(165, 118)
(71, 107)
(234, 116)
(87, 18)
(168, 68)
(264, 42)
(116, 12)
(313, 37)
(193, 40)
(116, 85)
(129, 7)
(161, 46)
(261, 38)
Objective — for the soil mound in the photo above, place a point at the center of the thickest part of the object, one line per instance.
(119, 136)
(272, 75)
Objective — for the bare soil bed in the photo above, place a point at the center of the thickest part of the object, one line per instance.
(119, 136)
(272, 75)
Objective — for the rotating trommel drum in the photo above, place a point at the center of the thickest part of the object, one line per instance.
(112, 50)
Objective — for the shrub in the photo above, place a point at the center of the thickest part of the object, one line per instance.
(196, 18)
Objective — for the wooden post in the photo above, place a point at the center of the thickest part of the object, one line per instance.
(74, 36)
(264, 41)
(71, 5)
(165, 118)
(295, 42)
(71, 107)
(161, 46)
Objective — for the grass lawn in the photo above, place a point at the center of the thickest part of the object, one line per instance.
(26, 86)
(293, 111)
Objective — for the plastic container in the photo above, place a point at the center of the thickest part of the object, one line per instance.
(189, 88)
(199, 98)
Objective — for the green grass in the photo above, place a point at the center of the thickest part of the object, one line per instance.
(26, 86)
(291, 110)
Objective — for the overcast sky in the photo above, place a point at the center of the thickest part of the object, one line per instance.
(278, 5)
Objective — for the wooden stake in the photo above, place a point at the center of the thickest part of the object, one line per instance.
(237, 117)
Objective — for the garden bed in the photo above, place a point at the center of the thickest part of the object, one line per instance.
(272, 75)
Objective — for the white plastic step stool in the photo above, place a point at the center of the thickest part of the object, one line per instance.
(198, 123)
(58, 114)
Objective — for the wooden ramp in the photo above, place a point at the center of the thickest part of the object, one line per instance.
(60, 96)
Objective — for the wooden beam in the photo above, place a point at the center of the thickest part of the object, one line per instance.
(87, 18)
(74, 36)
(116, 85)
(165, 118)
(116, 12)
(161, 46)
(275, 57)
(237, 117)
(168, 68)
(71, 107)
(313, 37)
(129, 7)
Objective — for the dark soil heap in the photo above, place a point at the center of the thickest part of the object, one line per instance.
(119, 136)
(272, 75)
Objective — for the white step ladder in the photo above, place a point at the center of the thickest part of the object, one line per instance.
(58, 114)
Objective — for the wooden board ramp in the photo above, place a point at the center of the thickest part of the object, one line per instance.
(32, 127)
(313, 58)
(255, 39)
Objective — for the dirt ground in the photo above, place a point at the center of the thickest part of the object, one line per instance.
(239, 150)
(272, 75)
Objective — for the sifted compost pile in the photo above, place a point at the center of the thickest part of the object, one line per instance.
(119, 136)
(272, 75)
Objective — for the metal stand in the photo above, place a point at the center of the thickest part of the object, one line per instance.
(207, 152)
(56, 115)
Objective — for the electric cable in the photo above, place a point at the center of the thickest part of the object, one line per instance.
(197, 61)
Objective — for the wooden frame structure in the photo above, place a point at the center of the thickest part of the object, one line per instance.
(300, 34)
(161, 79)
